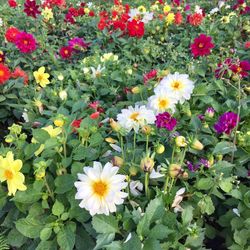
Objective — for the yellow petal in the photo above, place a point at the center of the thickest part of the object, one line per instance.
(41, 70)
(17, 165)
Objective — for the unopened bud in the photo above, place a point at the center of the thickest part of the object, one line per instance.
(196, 144)
(146, 130)
(59, 122)
(117, 161)
(114, 125)
(160, 149)
(180, 141)
(174, 170)
(136, 90)
(147, 164)
(133, 171)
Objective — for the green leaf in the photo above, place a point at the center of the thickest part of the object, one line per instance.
(226, 184)
(40, 135)
(64, 183)
(105, 224)
(58, 208)
(48, 245)
(224, 147)
(133, 243)
(241, 237)
(204, 183)
(45, 233)
(187, 215)
(154, 211)
(160, 232)
(29, 227)
(152, 244)
(206, 205)
(15, 238)
(103, 239)
(66, 238)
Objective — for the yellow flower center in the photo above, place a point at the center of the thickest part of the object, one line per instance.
(8, 174)
(177, 85)
(40, 77)
(134, 116)
(100, 188)
(25, 42)
(1, 72)
(163, 103)
(66, 52)
(201, 45)
(239, 69)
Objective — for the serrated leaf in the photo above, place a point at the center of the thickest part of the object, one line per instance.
(224, 147)
(105, 224)
(57, 208)
(66, 238)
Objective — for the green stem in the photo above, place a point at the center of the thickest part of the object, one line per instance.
(183, 156)
(166, 185)
(51, 194)
(134, 145)
(172, 157)
(171, 184)
(237, 122)
(146, 184)
(147, 140)
(122, 147)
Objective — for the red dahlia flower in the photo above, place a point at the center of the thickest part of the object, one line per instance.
(135, 28)
(18, 72)
(150, 75)
(202, 46)
(178, 18)
(11, 34)
(247, 45)
(25, 42)
(241, 68)
(12, 3)
(76, 124)
(31, 8)
(65, 52)
(195, 19)
(4, 74)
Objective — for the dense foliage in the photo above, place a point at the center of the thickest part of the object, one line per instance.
(124, 125)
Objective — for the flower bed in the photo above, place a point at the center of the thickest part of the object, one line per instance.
(124, 125)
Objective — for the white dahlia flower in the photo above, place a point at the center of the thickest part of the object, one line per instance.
(100, 188)
(177, 85)
(134, 118)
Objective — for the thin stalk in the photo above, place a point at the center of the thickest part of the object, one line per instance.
(171, 184)
(237, 122)
(51, 194)
(146, 184)
(147, 140)
(134, 145)
(166, 185)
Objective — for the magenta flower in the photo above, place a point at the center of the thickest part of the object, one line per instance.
(25, 42)
(78, 44)
(226, 123)
(210, 112)
(165, 120)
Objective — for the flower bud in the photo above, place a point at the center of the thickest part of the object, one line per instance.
(60, 77)
(196, 144)
(63, 95)
(114, 125)
(135, 90)
(185, 175)
(40, 174)
(174, 170)
(160, 149)
(117, 161)
(110, 140)
(133, 171)
(219, 157)
(146, 130)
(147, 164)
(211, 160)
(210, 112)
(180, 141)
(9, 139)
(59, 122)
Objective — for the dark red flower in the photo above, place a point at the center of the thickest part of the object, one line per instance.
(69, 18)
(195, 19)
(11, 34)
(165, 120)
(91, 13)
(65, 52)
(202, 46)
(4, 74)
(12, 3)
(31, 8)
(76, 124)
(241, 68)
(150, 75)
(247, 45)
(135, 28)
(95, 115)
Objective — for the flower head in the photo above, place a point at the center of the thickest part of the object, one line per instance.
(65, 52)
(134, 118)
(226, 123)
(53, 132)
(177, 85)
(135, 28)
(165, 120)
(12, 3)
(11, 34)
(195, 19)
(78, 44)
(202, 46)
(4, 74)
(25, 42)
(99, 188)
(18, 72)
(41, 77)
(10, 172)
(47, 13)
(31, 8)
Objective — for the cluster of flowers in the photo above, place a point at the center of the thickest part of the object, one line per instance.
(75, 45)
(25, 42)
(73, 12)
(5, 74)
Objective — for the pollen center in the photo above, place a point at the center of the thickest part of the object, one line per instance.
(163, 103)
(134, 116)
(1, 72)
(177, 85)
(239, 69)
(201, 45)
(100, 188)
(8, 174)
